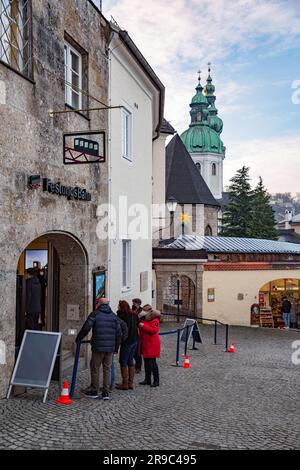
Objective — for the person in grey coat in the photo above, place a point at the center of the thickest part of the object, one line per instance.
(106, 339)
(33, 300)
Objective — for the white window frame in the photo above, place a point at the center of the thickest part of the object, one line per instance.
(12, 43)
(126, 117)
(126, 257)
(68, 51)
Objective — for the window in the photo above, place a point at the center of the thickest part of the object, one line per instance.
(208, 231)
(214, 169)
(126, 134)
(198, 167)
(73, 77)
(15, 29)
(126, 264)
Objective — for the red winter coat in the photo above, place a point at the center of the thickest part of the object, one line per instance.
(149, 337)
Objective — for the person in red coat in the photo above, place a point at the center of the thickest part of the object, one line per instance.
(150, 344)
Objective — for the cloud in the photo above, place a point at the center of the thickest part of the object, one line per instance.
(180, 36)
(276, 160)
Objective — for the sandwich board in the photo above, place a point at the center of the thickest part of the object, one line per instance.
(193, 331)
(36, 360)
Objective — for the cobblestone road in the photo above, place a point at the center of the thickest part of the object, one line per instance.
(246, 400)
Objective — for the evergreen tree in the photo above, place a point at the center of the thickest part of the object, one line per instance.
(237, 218)
(263, 220)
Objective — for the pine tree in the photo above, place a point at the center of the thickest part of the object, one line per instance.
(237, 218)
(263, 220)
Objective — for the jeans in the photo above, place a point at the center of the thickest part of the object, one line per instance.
(98, 359)
(127, 353)
(286, 318)
(151, 368)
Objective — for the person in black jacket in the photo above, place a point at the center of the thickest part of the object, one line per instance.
(137, 309)
(105, 342)
(33, 300)
(128, 347)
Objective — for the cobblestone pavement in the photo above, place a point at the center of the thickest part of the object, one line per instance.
(246, 400)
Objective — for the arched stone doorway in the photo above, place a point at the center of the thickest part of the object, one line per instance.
(182, 287)
(270, 299)
(62, 262)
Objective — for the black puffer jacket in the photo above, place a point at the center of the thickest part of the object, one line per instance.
(33, 295)
(106, 330)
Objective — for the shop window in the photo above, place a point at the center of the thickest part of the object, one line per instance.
(15, 35)
(73, 77)
(126, 264)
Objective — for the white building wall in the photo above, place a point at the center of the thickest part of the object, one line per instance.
(130, 179)
(206, 160)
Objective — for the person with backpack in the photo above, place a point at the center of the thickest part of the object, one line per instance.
(106, 338)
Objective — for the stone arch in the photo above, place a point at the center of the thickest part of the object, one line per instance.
(187, 293)
(67, 285)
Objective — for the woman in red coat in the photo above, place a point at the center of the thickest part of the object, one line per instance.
(150, 344)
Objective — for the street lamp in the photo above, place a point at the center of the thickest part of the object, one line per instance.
(172, 204)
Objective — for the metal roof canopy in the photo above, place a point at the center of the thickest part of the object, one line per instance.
(233, 245)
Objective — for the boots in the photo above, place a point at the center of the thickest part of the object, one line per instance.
(155, 376)
(124, 384)
(131, 378)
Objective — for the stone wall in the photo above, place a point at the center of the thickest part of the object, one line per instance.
(31, 143)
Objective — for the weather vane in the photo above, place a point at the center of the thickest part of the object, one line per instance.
(209, 68)
(199, 77)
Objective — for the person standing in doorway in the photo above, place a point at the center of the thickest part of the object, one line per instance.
(137, 309)
(105, 342)
(128, 347)
(286, 311)
(33, 300)
(150, 344)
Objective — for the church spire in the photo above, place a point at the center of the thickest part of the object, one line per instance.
(214, 121)
(210, 88)
(199, 112)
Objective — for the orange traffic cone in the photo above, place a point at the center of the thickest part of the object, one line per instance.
(186, 364)
(64, 399)
(232, 348)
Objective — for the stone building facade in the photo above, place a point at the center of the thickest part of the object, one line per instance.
(32, 84)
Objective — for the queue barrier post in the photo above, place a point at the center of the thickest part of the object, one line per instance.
(178, 348)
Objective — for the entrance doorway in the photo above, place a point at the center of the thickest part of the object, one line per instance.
(59, 263)
(271, 296)
(186, 294)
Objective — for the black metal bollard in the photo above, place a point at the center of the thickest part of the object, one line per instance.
(178, 348)
(186, 339)
(226, 337)
(216, 332)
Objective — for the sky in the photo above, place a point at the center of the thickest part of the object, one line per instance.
(254, 48)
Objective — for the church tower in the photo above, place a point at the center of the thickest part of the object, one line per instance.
(203, 140)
